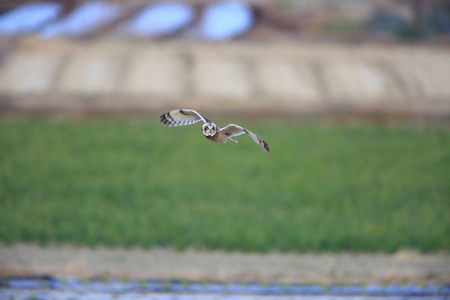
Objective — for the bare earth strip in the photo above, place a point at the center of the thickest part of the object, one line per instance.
(163, 263)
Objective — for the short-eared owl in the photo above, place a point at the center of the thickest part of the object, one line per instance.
(210, 130)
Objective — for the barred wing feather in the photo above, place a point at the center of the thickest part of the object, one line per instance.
(235, 130)
(180, 117)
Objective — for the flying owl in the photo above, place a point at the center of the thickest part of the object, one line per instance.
(210, 130)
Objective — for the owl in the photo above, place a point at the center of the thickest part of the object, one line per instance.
(210, 130)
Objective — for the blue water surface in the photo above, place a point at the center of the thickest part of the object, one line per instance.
(226, 20)
(84, 19)
(70, 295)
(76, 288)
(28, 17)
(160, 19)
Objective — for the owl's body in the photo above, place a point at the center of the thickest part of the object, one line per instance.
(218, 137)
(210, 130)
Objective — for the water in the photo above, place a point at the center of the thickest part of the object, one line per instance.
(74, 288)
(159, 19)
(70, 295)
(28, 17)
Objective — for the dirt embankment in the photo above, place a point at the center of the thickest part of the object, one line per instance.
(401, 267)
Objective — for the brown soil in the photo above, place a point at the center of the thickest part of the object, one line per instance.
(401, 267)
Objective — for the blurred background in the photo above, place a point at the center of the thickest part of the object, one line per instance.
(353, 97)
(381, 58)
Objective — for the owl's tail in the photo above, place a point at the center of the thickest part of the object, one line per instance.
(232, 139)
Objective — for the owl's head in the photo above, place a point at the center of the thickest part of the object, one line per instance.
(209, 129)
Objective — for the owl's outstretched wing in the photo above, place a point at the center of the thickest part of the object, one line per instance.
(179, 117)
(235, 130)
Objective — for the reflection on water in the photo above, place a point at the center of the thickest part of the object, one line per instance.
(49, 287)
(70, 295)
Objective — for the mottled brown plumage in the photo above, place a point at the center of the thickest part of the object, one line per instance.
(180, 117)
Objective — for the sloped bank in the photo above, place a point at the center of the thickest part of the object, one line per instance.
(162, 263)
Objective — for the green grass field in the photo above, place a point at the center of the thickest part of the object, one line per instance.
(324, 187)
